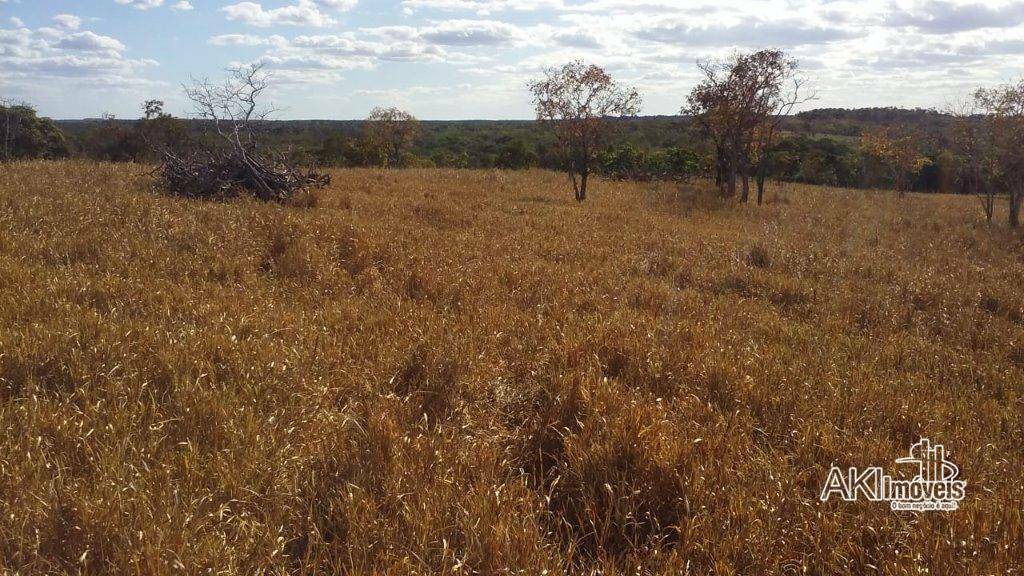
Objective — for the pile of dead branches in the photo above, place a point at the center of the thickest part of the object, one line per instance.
(237, 165)
(227, 174)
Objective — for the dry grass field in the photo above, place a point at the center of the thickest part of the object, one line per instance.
(453, 372)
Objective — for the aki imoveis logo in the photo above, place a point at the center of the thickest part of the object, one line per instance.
(933, 487)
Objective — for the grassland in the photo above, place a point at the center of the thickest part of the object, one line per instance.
(455, 372)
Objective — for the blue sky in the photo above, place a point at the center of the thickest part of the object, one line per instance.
(451, 59)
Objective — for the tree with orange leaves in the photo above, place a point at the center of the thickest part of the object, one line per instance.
(579, 99)
(740, 104)
(898, 151)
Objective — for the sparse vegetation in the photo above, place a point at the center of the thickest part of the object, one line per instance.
(461, 372)
(817, 147)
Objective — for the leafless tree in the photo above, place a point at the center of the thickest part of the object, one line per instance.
(233, 106)
(1004, 115)
(234, 109)
(389, 133)
(579, 99)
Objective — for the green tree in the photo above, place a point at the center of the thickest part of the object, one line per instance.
(113, 140)
(161, 131)
(389, 134)
(516, 155)
(24, 135)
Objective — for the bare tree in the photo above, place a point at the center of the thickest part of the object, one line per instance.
(1004, 109)
(578, 99)
(233, 106)
(234, 109)
(389, 133)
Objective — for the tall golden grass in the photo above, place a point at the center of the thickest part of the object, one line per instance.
(455, 372)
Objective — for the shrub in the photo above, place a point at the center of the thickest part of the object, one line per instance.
(24, 135)
(627, 162)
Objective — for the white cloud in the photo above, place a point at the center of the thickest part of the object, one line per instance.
(576, 38)
(480, 7)
(238, 40)
(141, 4)
(339, 5)
(364, 49)
(398, 94)
(180, 5)
(942, 17)
(68, 21)
(63, 53)
(348, 46)
(752, 32)
(90, 42)
(304, 13)
(288, 77)
(471, 33)
(294, 62)
(17, 22)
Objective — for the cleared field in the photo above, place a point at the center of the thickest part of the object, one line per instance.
(467, 372)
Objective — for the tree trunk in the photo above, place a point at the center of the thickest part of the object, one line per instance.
(579, 171)
(733, 168)
(762, 175)
(720, 168)
(987, 197)
(745, 172)
(1015, 198)
(574, 180)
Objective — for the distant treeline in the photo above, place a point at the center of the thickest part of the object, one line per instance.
(816, 147)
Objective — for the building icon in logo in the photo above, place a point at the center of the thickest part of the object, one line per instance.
(935, 486)
(931, 462)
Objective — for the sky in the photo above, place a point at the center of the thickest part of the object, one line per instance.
(472, 59)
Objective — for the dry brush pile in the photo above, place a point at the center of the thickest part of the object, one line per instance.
(452, 372)
(213, 174)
